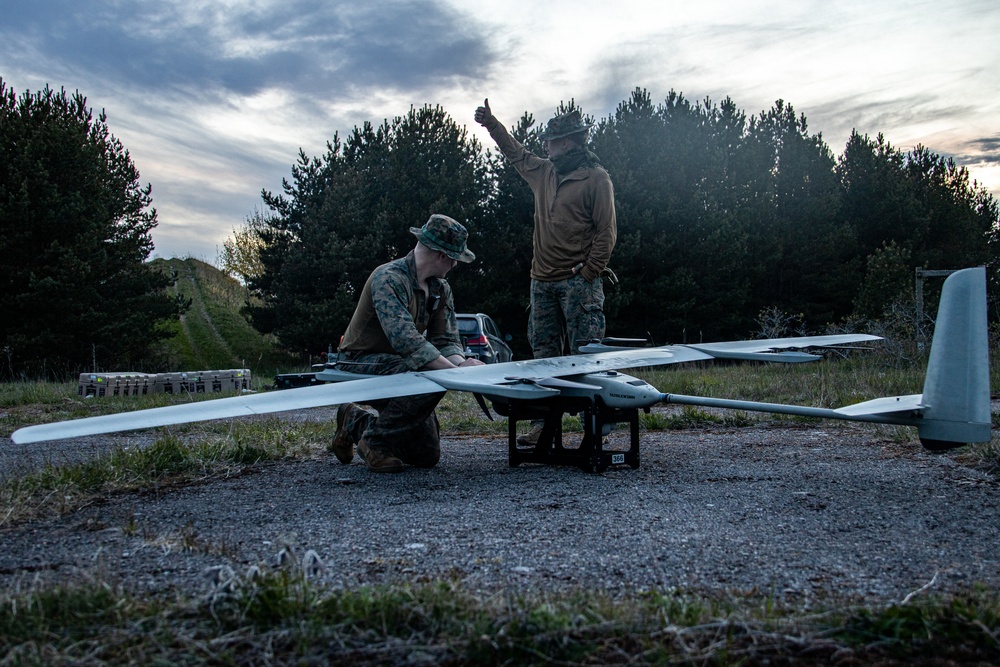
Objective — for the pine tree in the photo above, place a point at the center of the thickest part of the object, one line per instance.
(74, 235)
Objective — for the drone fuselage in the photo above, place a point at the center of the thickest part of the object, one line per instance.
(615, 390)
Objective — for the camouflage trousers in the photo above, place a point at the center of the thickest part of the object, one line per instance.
(405, 427)
(564, 315)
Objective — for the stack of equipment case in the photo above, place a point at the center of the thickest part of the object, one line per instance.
(233, 380)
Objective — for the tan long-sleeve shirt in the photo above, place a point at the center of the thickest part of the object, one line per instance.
(574, 214)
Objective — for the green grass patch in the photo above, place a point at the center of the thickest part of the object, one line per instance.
(829, 383)
(692, 417)
(459, 413)
(34, 393)
(214, 334)
(284, 614)
(962, 628)
(33, 403)
(219, 449)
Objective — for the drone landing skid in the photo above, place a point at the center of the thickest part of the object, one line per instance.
(590, 455)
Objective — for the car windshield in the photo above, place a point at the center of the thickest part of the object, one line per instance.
(468, 325)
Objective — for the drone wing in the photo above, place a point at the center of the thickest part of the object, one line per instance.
(516, 379)
(787, 350)
(238, 406)
(529, 379)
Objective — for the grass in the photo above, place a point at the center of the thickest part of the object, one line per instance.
(39, 402)
(221, 446)
(830, 384)
(213, 334)
(217, 449)
(280, 614)
(691, 417)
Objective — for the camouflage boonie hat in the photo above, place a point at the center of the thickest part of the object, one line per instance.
(446, 235)
(564, 125)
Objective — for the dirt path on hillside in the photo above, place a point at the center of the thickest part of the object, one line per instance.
(187, 273)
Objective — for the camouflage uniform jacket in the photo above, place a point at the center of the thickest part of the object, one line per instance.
(393, 316)
(574, 215)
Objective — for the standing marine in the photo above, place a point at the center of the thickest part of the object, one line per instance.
(574, 234)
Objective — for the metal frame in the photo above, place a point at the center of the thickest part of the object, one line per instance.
(590, 454)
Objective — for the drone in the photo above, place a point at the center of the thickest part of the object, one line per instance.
(953, 410)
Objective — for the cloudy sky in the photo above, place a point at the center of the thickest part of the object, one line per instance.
(215, 99)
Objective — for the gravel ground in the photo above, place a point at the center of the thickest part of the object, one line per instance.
(805, 513)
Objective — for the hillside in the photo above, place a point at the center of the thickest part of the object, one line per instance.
(213, 334)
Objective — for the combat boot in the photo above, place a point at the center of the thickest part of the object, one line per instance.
(530, 439)
(377, 461)
(343, 444)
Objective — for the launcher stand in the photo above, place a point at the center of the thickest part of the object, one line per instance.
(590, 454)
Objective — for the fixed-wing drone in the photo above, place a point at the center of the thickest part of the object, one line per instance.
(953, 410)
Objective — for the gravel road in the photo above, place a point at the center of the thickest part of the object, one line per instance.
(804, 513)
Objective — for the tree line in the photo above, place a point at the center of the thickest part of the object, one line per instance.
(720, 215)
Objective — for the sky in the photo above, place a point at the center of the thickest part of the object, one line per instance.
(214, 100)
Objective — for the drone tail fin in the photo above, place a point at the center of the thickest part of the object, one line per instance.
(956, 395)
(954, 408)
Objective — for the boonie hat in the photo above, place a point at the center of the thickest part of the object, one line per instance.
(446, 235)
(564, 125)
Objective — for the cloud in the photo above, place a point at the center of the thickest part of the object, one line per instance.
(985, 149)
(214, 99)
(315, 46)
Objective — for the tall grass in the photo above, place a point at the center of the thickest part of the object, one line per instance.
(280, 616)
(34, 393)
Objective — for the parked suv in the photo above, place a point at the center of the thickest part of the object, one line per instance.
(482, 339)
